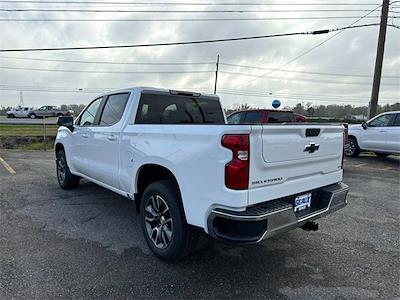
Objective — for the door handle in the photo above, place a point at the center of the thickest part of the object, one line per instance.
(111, 137)
(85, 135)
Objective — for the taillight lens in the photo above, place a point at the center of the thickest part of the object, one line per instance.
(237, 170)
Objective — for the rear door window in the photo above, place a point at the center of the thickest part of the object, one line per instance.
(172, 109)
(113, 109)
(280, 117)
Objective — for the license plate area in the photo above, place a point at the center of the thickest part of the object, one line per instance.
(302, 202)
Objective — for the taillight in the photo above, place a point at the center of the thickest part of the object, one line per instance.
(345, 137)
(237, 170)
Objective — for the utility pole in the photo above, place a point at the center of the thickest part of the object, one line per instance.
(373, 104)
(216, 75)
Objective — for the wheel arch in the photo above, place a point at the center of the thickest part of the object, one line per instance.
(149, 173)
(58, 146)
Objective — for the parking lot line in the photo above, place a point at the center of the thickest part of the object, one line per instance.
(7, 166)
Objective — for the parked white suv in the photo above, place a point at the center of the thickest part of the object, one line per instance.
(381, 135)
(174, 155)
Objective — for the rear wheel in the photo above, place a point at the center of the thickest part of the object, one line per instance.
(11, 116)
(163, 221)
(32, 116)
(65, 178)
(351, 148)
(382, 154)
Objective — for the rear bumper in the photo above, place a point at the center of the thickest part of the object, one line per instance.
(267, 219)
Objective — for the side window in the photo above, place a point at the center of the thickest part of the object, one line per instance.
(113, 109)
(382, 121)
(235, 118)
(396, 121)
(87, 118)
(43, 108)
(253, 117)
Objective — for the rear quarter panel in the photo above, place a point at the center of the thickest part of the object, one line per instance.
(193, 153)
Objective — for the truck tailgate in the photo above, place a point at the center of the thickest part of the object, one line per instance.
(290, 159)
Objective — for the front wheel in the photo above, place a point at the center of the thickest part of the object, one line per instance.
(351, 147)
(32, 116)
(11, 116)
(163, 221)
(65, 178)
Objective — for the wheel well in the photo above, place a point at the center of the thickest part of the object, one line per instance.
(149, 174)
(353, 137)
(59, 147)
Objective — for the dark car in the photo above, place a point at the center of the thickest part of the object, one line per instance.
(49, 111)
(261, 116)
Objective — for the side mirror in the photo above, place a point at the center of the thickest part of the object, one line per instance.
(66, 121)
(364, 125)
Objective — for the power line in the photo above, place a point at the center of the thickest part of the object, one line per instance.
(108, 62)
(180, 11)
(312, 48)
(283, 95)
(107, 72)
(306, 80)
(186, 72)
(315, 32)
(304, 72)
(185, 19)
(189, 3)
(304, 97)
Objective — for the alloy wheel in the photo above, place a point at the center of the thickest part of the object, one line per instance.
(350, 147)
(158, 221)
(61, 169)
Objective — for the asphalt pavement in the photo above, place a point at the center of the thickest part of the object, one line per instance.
(87, 243)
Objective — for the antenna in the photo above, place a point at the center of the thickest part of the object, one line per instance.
(21, 99)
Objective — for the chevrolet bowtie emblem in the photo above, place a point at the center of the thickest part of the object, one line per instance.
(311, 148)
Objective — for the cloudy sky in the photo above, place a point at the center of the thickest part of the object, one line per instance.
(338, 71)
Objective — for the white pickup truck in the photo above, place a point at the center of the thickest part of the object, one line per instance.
(174, 155)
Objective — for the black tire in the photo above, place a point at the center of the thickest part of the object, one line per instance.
(32, 116)
(65, 178)
(60, 115)
(382, 154)
(351, 148)
(182, 237)
(11, 116)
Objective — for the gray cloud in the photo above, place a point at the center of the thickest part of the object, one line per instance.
(351, 52)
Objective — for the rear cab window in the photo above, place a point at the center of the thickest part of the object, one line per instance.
(177, 109)
(280, 117)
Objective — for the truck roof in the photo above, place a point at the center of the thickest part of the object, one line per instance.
(156, 90)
